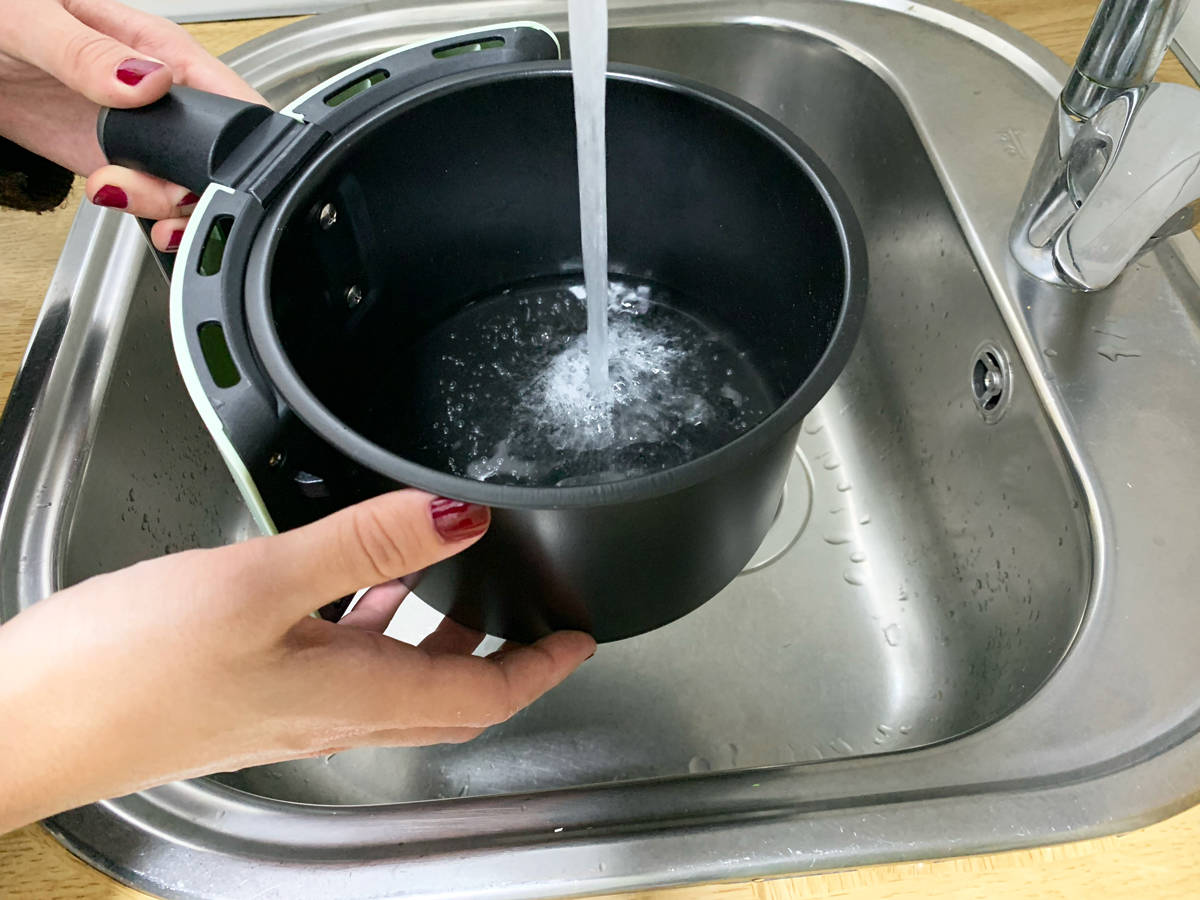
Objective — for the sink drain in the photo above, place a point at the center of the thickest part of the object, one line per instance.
(790, 519)
(991, 383)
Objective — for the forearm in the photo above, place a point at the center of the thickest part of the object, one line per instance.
(35, 780)
(57, 741)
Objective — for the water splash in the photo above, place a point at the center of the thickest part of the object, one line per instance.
(504, 389)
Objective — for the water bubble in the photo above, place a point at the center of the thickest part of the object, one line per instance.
(891, 634)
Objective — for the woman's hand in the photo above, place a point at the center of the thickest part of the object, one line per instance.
(208, 660)
(60, 60)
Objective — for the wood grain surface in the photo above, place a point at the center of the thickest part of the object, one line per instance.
(1161, 862)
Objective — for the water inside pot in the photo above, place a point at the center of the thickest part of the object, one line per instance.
(500, 392)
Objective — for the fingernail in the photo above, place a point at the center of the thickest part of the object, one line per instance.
(456, 520)
(111, 195)
(189, 199)
(174, 239)
(132, 71)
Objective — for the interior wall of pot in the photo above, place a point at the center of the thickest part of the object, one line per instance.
(453, 199)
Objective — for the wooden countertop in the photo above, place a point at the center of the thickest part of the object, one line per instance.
(1162, 861)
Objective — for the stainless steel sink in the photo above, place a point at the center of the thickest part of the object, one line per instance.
(973, 626)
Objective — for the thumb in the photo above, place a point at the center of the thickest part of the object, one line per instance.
(101, 68)
(372, 542)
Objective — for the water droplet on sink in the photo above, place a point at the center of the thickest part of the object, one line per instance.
(864, 519)
(699, 764)
(857, 556)
(841, 746)
(733, 754)
(1051, 352)
(813, 427)
(1112, 354)
(885, 730)
(1110, 331)
(837, 539)
(891, 634)
(830, 464)
(851, 578)
(905, 729)
(844, 486)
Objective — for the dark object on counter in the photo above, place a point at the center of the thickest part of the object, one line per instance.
(29, 182)
(423, 179)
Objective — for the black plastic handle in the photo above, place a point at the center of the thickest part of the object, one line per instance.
(193, 138)
(184, 137)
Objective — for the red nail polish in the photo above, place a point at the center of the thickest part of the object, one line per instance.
(111, 195)
(132, 71)
(189, 199)
(456, 520)
(174, 240)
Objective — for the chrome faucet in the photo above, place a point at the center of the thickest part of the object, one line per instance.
(1119, 167)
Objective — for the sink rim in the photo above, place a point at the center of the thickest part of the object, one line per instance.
(748, 801)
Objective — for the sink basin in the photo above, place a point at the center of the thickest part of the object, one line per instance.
(971, 627)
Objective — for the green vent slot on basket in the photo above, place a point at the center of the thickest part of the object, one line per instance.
(217, 357)
(337, 98)
(213, 250)
(470, 47)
